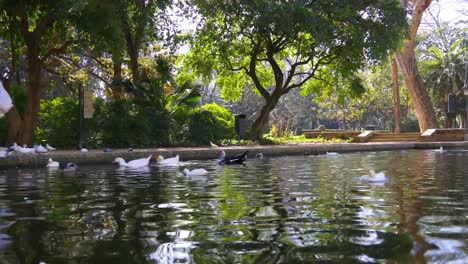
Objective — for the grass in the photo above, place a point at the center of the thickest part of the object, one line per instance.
(269, 140)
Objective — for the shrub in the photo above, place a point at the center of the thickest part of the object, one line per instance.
(199, 126)
(225, 120)
(58, 122)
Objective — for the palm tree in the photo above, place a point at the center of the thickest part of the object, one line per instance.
(444, 70)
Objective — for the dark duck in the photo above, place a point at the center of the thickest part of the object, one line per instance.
(230, 160)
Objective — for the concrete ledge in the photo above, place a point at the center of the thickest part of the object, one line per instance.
(446, 134)
(203, 153)
(364, 136)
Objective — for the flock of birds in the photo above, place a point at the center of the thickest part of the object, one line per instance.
(173, 161)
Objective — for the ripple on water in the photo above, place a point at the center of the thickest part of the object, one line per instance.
(276, 210)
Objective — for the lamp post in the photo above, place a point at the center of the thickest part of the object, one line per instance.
(465, 92)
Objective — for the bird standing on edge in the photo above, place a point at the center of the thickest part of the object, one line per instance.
(237, 159)
(133, 163)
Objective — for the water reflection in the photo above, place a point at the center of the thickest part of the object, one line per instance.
(284, 209)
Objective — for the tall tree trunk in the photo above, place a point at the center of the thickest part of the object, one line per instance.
(116, 87)
(409, 68)
(256, 131)
(396, 97)
(31, 111)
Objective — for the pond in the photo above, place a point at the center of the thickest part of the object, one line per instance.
(297, 209)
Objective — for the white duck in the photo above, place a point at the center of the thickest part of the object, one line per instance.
(52, 164)
(374, 177)
(332, 153)
(170, 161)
(49, 147)
(195, 172)
(133, 163)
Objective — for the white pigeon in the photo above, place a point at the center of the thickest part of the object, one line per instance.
(84, 150)
(195, 172)
(3, 152)
(50, 148)
(23, 150)
(133, 163)
(40, 149)
(170, 161)
(374, 177)
(52, 164)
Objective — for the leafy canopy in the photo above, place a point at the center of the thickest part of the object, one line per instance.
(284, 44)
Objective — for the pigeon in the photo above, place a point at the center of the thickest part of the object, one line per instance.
(49, 147)
(23, 150)
(40, 149)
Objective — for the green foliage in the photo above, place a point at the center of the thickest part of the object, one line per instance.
(19, 97)
(269, 140)
(124, 124)
(58, 122)
(277, 46)
(224, 118)
(199, 126)
(410, 125)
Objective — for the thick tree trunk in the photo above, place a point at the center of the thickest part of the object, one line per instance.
(409, 68)
(420, 97)
(256, 131)
(396, 97)
(116, 87)
(31, 111)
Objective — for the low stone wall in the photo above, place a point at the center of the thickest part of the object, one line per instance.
(443, 135)
(333, 134)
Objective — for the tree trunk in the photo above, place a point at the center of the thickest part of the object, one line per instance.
(396, 97)
(409, 68)
(33, 102)
(116, 87)
(420, 97)
(256, 131)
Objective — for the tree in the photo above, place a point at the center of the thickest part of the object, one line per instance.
(138, 19)
(44, 30)
(409, 68)
(396, 96)
(278, 46)
(443, 52)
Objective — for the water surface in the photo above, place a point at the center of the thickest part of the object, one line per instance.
(300, 209)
